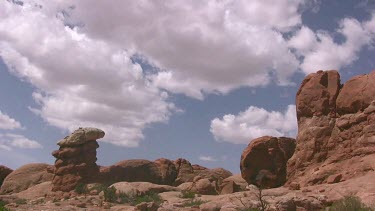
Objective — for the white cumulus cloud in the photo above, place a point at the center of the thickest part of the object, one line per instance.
(8, 123)
(320, 51)
(80, 81)
(9, 141)
(207, 158)
(253, 123)
(200, 46)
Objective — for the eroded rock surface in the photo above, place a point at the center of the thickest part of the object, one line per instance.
(76, 159)
(263, 162)
(4, 172)
(25, 177)
(136, 170)
(336, 129)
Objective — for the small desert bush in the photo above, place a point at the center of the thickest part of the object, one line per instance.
(80, 188)
(110, 194)
(99, 187)
(186, 194)
(193, 202)
(349, 203)
(114, 196)
(150, 197)
(21, 201)
(2, 206)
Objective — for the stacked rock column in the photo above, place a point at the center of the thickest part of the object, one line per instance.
(76, 159)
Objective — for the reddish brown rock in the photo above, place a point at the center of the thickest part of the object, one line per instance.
(356, 94)
(168, 170)
(229, 187)
(24, 177)
(76, 159)
(4, 172)
(337, 141)
(185, 171)
(263, 162)
(136, 170)
(317, 94)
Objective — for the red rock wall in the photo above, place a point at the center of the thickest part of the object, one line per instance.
(336, 127)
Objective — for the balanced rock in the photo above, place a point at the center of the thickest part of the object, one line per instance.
(4, 172)
(336, 132)
(25, 177)
(263, 162)
(76, 159)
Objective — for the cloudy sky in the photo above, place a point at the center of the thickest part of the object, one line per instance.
(192, 79)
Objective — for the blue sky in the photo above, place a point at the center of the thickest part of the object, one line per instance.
(166, 79)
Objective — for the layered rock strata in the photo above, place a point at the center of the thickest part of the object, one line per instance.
(76, 159)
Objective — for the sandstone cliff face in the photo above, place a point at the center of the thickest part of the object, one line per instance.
(336, 129)
(263, 162)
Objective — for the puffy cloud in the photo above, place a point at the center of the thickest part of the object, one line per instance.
(8, 123)
(207, 158)
(201, 47)
(253, 123)
(79, 80)
(319, 50)
(9, 141)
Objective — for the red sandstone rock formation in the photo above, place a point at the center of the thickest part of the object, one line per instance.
(25, 177)
(263, 162)
(336, 129)
(4, 172)
(76, 159)
(135, 170)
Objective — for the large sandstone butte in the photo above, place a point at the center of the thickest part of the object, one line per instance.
(263, 162)
(76, 159)
(336, 129)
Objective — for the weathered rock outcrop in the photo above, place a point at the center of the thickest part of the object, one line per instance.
(336, 129)
(25, 177)
(168, 171)
(135, 170)
(4, 172)
(161, 171)
(263, 162)
(185, 171)
(76, 159)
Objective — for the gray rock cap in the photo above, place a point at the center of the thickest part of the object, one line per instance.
(81, 136)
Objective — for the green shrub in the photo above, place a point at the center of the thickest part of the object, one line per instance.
(99, 187)
(349, 203)
(21, 201)
(193, 202)
(187, 194)
(150, 197)
(123, 198)
(110, 194)
(80, 188)
(2, 206)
